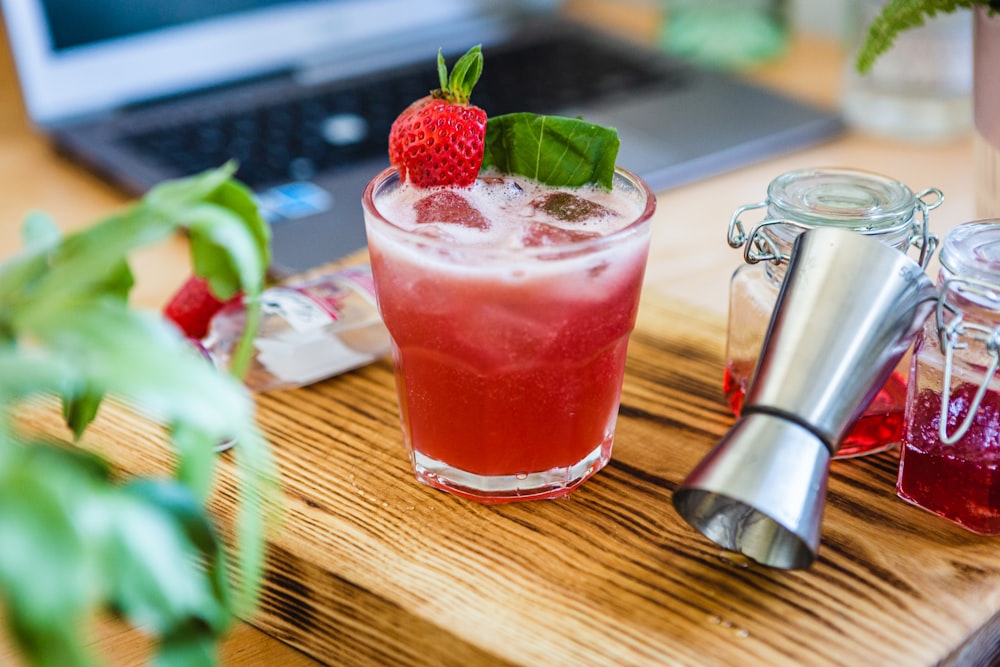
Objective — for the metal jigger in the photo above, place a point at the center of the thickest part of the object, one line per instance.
(848, 310)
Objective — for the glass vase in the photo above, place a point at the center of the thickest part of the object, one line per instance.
(986, 96)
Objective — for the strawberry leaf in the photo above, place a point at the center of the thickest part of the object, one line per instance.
(457, 88)
(554, 150)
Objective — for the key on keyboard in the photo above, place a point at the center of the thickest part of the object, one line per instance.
(294, 138)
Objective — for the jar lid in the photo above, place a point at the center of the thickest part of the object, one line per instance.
(972, 250)
(853, 199)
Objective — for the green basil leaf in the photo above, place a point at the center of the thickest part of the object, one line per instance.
(555, 150)
(85, 264)
(39, 536)
(230, 241)
(118, 282)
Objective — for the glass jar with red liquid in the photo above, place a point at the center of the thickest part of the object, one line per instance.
(802, 199)
(950, 454)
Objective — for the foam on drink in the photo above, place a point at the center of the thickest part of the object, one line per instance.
(519, 242)
(512, 208)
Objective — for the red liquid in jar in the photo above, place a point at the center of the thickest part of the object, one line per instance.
(878, 429)
(959, 482)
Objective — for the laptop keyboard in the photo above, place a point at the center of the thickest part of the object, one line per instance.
(295, 138)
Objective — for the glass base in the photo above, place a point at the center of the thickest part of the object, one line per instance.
(913, 118)
(552, 483)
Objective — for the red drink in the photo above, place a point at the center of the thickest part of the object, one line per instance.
(510, 325)
(960, 482)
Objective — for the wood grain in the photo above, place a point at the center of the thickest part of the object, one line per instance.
(372, 568)
(610, 574)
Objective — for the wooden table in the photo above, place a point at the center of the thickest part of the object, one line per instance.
(372, 568)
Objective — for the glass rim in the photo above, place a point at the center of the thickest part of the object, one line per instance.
(961, 250)
(638, 225)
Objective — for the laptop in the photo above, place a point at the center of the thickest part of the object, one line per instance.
(302, 92)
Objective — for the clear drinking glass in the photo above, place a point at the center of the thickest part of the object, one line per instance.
(508, 360)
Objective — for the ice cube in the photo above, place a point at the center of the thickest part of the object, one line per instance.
(499, 188)
(449, 207)
(539, 234)
(570, 207)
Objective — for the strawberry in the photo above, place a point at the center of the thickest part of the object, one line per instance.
(439, 139)
(193, 306)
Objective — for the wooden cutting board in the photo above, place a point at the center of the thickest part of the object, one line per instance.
(372, 568)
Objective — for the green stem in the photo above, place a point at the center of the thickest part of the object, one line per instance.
(244, 351)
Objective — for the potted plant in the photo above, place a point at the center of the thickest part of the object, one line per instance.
(75, 540)
(899, 15)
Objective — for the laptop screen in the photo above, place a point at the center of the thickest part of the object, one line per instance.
(73, 23)
(77, 58)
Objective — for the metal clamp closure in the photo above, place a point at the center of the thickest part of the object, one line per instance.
(757, 247)
(762, 247)
(949, 336)
(920, 235)
(737, 236)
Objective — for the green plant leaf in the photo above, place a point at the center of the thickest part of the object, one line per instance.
(222, 252)
(188, 647)
(172, 198)
(554, 150)
(261, 509)
(48, 574)
(139, 356)
(158, 581)
(24, 372)
(229, 259)
(185, 510)
(81, 409)
(146, 550)
(40, 231)
(897, 16)
(196, 456)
